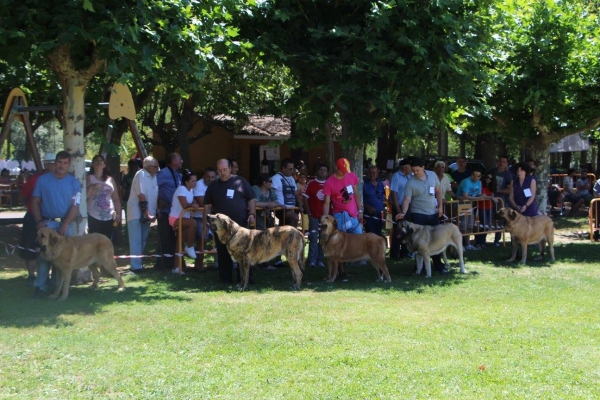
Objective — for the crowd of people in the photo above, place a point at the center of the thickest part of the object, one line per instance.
(150, 194)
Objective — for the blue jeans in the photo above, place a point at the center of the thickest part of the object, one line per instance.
(138, 233)
(43, 266)
(315, 252)
(346, 223)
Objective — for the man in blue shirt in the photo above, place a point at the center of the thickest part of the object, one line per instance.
(168, 179)
(373, 195)
(55, 205)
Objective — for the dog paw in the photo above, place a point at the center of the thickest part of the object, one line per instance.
(121, 289)
(428, 277)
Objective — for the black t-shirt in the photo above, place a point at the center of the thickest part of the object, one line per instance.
(230, 197)
(459, 176)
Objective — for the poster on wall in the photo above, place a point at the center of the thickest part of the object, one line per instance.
(268, 157)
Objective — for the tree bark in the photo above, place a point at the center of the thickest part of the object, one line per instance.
(73, 84)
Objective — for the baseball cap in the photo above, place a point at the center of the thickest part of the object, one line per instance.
(405, 161)
(343, 165)
(49, 158)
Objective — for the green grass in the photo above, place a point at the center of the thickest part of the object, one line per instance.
(534, 328)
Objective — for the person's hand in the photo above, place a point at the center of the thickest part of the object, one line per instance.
(40, 225)
(361, 217)
(63, 230)
(400, 216)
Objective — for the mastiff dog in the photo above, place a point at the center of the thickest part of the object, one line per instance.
(249, 247)
(341, 247)
(427, 241)
(528, 230)
(68, 253)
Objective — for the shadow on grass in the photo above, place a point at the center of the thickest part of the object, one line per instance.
(21, 310)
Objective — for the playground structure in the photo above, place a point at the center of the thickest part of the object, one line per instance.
(120, 105)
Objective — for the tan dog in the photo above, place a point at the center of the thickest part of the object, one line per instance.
(528, 230)
(426, 241)
(341, 247)
(68, 253)
(249, 247)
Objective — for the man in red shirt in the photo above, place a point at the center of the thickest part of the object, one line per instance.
(29, 231)
(313, 205)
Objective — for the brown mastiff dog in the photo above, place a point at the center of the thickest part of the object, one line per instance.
(249, 247)
(341, 247)
(426, 241)
(528, 230)
(68, 253)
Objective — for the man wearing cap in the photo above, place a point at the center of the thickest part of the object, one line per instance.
(341, 198)
(420, 196)
(29, 230)
(397, 185)
(55, 205)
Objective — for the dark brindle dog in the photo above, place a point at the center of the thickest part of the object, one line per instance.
(250, 247)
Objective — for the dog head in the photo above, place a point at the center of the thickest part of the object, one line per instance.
(404, 231)
(328, 224)
(222, 225)
(46, 239)
(510, 217)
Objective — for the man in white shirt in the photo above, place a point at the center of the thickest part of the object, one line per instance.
(141, 210)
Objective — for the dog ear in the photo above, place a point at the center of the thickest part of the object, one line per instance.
(334, 222)
(53, 239)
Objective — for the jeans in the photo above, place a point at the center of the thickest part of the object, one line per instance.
(166, 237)
(43, 266)
(346, 223)
(315, 252)
(138, 234)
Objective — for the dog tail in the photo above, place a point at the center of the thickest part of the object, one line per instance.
(301, 255)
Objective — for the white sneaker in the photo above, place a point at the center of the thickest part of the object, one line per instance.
(176, 271)
(190, 251)
(470, 247)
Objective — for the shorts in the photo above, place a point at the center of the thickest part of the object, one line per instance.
(346, 223)
(28, 237)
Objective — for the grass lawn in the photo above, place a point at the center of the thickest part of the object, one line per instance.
(500, 332)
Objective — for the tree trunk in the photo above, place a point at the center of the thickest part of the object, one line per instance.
(73, 84)
(540, 153)
(352, 152)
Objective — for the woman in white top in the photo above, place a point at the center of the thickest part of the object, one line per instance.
(103, 202)
(184, 198)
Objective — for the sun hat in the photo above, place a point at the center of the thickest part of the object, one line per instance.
(49, 158)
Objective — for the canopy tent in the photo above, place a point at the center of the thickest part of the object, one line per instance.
(570, 143)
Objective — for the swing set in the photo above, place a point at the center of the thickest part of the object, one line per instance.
(120, 105)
